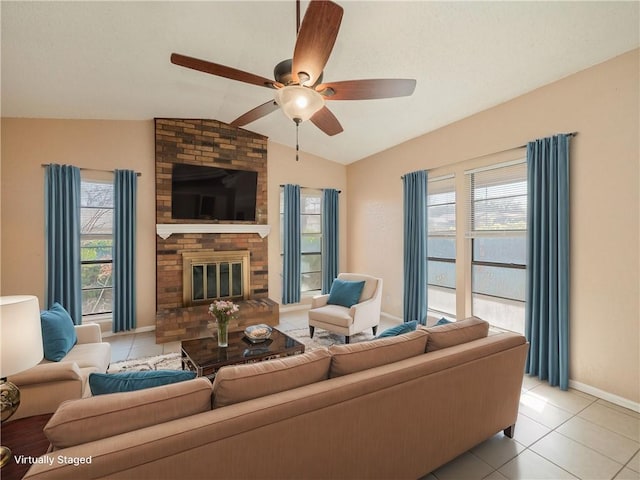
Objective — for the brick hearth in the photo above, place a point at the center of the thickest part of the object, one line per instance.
(209, 143)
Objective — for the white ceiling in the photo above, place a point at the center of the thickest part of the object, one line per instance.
(110, 60)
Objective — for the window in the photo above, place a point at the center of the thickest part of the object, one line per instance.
(96, 246)
(311, 238)
(441, 239)
(311, 242)
(496, 227)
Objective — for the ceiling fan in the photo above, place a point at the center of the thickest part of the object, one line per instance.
(299, 89)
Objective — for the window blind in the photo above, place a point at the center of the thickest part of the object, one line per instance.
(496, 200)
(441, 206)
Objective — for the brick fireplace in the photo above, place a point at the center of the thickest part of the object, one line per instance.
(208, 143)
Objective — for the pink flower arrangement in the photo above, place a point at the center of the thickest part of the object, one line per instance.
(223, 310)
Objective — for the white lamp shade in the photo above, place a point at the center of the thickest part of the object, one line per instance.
(20, 334)
(299, 103)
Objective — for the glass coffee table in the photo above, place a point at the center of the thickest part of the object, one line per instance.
(204, 357)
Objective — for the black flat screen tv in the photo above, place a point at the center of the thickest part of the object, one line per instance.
(213, 193)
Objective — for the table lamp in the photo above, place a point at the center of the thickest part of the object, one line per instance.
(20, 349)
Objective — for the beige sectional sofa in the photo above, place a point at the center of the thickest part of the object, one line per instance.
(379, 409)
(44, 387)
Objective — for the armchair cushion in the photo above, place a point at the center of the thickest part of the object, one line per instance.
(96, 355)
(58, 332)
(345, 293)
(333, 315)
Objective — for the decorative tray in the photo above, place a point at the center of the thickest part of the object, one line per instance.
(258, 333)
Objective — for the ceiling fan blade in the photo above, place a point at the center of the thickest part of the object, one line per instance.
(327, 122)
(367, 89)
(315, 41)
(258, 112)
(222, 71)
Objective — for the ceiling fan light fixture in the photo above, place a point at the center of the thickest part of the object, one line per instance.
(299, 103)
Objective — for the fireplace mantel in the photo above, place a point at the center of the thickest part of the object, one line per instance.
(165, 230)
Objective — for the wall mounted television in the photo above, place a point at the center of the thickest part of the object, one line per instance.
(213, 193)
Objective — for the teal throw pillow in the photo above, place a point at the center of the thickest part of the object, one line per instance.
(103, 383)
(443, 321)
(399, 329)
(58, 332)
(345, 293)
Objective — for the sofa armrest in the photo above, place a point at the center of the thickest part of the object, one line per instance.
(89, 333)
(319, 301)
(48, 372)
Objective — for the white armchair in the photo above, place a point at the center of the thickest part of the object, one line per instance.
(348, 321)
(44, 387)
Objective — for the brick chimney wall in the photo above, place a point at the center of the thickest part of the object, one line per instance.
(208, 143)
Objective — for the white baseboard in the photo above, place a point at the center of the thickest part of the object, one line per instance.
(391, 317)
(294, 307)
(609, 397)
(150, 328)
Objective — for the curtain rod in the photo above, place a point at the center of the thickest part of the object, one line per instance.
(93, 169)
(313, 188)
(570, 134)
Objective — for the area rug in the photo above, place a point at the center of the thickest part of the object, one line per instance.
(170, 361)
(323, 338)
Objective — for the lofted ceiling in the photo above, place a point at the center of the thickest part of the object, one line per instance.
(110, 60)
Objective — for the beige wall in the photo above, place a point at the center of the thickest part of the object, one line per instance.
(28, 143)
(602, 104)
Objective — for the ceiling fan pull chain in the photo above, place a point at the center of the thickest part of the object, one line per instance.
(297, 143)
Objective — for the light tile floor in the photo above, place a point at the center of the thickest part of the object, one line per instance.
(558, 434)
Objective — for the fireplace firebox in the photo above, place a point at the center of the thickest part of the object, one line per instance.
(215, 275)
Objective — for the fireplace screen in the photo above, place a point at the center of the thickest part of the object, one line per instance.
(215, 276)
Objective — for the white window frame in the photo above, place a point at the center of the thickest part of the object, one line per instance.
(442, 184)
(103, 262)
(501, 311)
(304, 191)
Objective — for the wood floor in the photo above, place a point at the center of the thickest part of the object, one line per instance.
(24, 437)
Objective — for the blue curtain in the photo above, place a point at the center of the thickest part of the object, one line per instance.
(291, 245)
(62, 230)
(330, 253)
(415, 246)
(547, 301)
(124, 251)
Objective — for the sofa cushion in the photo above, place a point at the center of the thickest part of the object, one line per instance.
(84, 420)
(237, 383)
(442, 321)
(405, 327)
(58, 332)
(351, 358)
(455, 333)
(104, 383)
(345, 293)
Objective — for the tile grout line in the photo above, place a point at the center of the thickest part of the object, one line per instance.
(577, 441)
